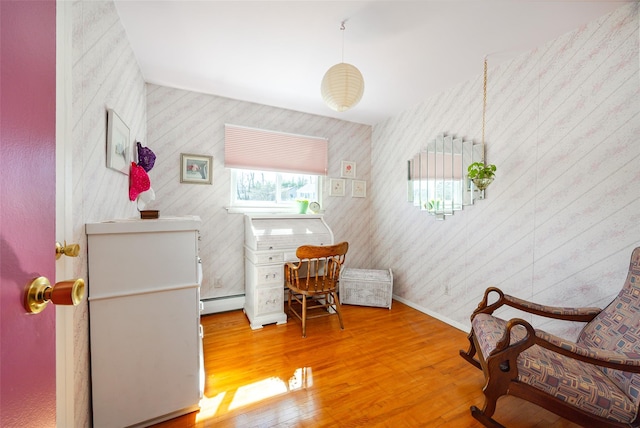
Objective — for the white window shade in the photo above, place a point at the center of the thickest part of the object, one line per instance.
(258, 149)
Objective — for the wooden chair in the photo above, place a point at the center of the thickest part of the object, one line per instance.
(313, 281)
(593, 382)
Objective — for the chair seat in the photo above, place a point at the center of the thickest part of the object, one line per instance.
(579, 384)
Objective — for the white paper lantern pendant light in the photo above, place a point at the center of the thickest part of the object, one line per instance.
(342, 85)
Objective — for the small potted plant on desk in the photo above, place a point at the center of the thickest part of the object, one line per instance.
(302, 205)
(482, 175)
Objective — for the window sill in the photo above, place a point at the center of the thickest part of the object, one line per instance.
(268, 210)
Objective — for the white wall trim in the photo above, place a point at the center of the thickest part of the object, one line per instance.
(435, 315)
(222, 304)
(232, 303)
(64, 315)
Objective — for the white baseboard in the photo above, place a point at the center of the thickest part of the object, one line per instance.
(435, 315)
(232, 303)
(222, 304)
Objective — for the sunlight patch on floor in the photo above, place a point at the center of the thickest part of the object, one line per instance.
(252, 393)
(302, 378)
(209, 406)
(258, 391)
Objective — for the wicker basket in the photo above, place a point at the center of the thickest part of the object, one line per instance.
(366, 287)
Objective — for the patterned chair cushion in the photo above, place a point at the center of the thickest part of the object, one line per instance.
(582, 385)
(617, 328)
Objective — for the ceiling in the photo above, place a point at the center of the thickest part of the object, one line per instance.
(276, 52)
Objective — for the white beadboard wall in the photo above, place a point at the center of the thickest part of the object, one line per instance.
(181, 121)
(105, 74)
(563, 215)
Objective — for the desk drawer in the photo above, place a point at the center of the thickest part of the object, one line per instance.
(262, 259)
(271, 274)
(269, 300)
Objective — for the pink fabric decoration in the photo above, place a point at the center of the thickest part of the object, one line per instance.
(138, 181)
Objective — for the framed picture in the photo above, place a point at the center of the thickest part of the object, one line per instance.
(348, 169)
(358, 188)
(336, 187)
(195, 169)
(118, 143)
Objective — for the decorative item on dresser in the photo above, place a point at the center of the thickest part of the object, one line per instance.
(270, 241)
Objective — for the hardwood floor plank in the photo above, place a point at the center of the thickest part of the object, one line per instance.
(387, 368)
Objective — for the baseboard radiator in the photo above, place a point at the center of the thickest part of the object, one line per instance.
(222, 304)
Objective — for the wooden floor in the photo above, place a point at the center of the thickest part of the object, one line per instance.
(388, 368)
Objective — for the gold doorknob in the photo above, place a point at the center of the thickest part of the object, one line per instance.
(71, 250)
(40, 292)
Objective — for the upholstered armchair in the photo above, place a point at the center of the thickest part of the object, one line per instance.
(594, 381)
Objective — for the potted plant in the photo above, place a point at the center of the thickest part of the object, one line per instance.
(302, 204)
(482, 175)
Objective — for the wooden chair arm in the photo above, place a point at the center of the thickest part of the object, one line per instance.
(519, 345)
(562, 313)
(507, 350)
(502, 360)
(292, 265)
(484, 307)
(624, 361)
(291, 272)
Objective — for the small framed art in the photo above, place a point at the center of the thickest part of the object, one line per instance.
(348, 169)
(118, 144)
(195, 169)
(358, 188)
(336, 187)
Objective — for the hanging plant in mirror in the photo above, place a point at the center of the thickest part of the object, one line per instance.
(482, 175)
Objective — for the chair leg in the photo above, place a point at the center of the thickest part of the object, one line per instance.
(304, 316)
(484, 419)
(469, 354)
(495, 387)
(336, 305)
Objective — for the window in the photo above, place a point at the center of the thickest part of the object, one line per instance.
(270, 189)
(272, 169)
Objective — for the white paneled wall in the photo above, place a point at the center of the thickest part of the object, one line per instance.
(181, 121)
(563, 214)
(105, 74)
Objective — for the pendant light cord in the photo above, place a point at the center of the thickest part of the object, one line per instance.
(484, 104)
(342, 28)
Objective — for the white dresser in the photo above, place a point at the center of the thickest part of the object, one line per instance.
(144, 317)
(270, 241)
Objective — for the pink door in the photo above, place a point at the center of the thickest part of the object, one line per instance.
(27, 210)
